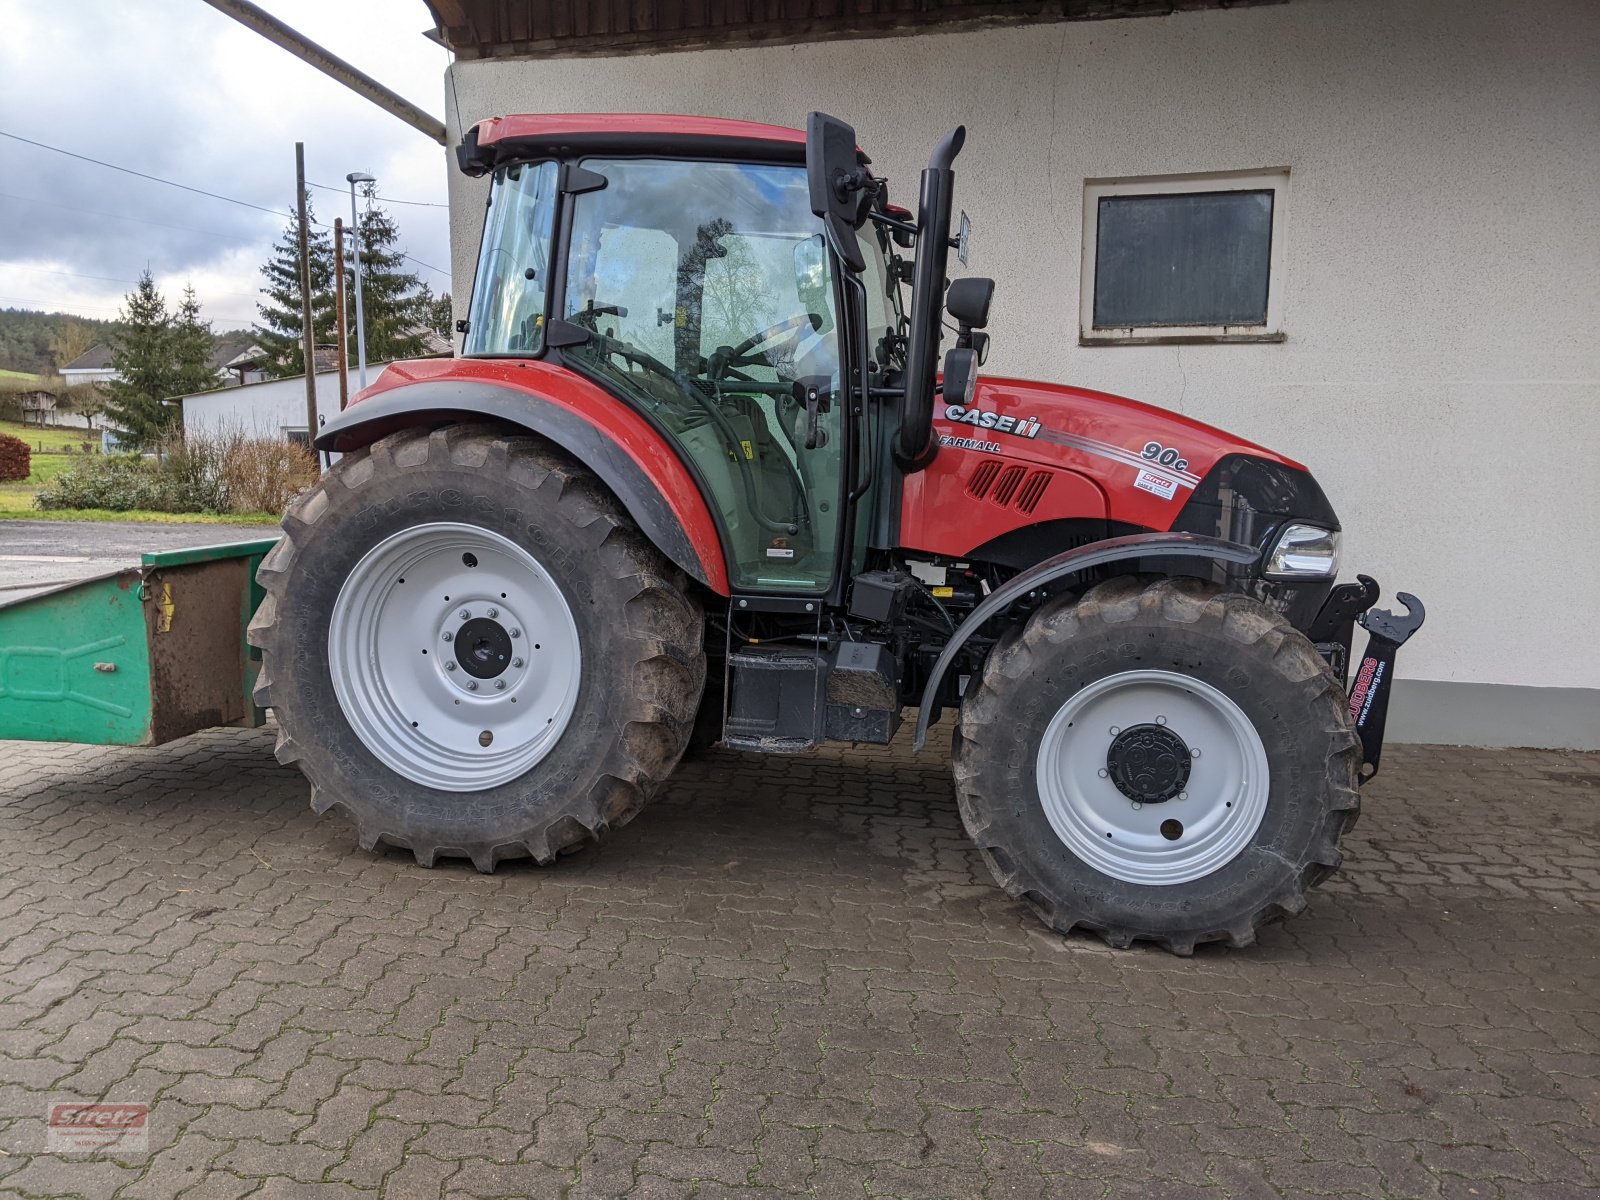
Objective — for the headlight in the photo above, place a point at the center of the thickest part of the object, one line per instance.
(1304, 552)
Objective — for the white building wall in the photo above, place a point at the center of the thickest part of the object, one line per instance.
(268, 409)
(1441, 375)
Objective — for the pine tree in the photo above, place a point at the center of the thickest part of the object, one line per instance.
(192, 345)
(141, 355)
(390, 294)
(281, 321)
(435, 311)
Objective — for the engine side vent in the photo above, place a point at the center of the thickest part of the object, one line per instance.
(1006, 487)
(1032, 491)
(978, 486)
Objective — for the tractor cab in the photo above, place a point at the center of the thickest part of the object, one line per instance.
(692, 279)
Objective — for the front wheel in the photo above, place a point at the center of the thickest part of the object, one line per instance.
(1157, 761)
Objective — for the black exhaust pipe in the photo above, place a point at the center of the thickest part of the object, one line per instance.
(914, 445)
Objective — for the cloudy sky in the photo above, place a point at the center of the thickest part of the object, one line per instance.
(173, 88)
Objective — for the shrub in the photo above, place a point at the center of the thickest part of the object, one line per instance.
(118, 482)
(192, 469)
(214, 473)
(16, 460)
(264, 474)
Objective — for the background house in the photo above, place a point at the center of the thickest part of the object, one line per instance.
(1427, 174)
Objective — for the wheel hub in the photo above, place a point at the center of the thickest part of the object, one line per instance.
(483, 648)
(1148, 763)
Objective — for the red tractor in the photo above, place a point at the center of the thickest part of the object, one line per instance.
(698, 474)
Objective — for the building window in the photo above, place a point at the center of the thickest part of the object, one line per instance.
(1183, 258)
(298, 436)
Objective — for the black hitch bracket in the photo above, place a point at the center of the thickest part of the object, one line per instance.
(1369, 691)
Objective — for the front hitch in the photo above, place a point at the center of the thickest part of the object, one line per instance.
(1346, 606)
(1369, 694)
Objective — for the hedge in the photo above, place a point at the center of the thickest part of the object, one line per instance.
(16, 460)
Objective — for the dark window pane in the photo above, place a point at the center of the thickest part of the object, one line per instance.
(1196, 259)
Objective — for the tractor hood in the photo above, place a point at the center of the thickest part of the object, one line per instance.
(1044, 453)
(1094, 431)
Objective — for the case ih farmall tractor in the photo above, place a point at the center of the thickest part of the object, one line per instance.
(698, 474)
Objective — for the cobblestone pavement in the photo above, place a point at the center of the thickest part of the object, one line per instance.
(789, 975)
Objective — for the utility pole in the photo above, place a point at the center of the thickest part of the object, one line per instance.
(308, 335)
(338, 304)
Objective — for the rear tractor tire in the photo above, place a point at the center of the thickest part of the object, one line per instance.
(472, 651)
(1157, 761)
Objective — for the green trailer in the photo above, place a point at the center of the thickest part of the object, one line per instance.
(138, 656)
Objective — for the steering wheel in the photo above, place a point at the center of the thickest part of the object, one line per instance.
(683, 386)
(739, 356)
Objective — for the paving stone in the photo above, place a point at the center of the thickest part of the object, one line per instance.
(787, 975)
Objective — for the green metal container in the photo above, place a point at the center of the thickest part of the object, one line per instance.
(136, 657)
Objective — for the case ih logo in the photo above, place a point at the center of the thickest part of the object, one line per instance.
(1023, 427)
(84, 1128)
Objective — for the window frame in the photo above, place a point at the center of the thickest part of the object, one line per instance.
(1273, 179)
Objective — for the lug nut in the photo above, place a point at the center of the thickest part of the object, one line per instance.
(494, 612)
(472, 685)
(1115, 730)
(1104, 772)
(465, 614)
(1161, 720)
(516, 662)
(449, 637)
(449, 666)
(499, 685)
(516, 633)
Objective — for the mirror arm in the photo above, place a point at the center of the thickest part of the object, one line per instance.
(906, 227)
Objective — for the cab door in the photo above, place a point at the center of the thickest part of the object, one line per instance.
(708, 297)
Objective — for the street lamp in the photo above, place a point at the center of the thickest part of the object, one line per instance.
(352, 179)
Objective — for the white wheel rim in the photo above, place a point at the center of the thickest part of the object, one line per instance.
(456, 711)
(1177, 840)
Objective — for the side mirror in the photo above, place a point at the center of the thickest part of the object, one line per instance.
(960, 376)
(839, 184)
(968, 301)
(811, 280)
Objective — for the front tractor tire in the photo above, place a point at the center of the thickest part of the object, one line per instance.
(472, 651)
(1157, 761)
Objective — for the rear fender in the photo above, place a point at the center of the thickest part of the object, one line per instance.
(613, 441)
(1164, 546)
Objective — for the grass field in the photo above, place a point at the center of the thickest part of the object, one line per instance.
(20, 375)
(50, 437)
(16, 503)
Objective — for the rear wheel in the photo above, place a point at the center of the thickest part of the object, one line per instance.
(471, 650)
(1159, 761)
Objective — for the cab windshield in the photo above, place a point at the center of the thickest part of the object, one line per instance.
(708, 295)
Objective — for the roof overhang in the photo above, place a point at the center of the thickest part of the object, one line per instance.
(479, 29)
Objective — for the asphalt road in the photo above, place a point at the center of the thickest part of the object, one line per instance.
(37, 555)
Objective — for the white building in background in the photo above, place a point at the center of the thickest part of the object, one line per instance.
(271, 408)
(1433, 273)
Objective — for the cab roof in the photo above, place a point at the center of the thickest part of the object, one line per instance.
(561, 135)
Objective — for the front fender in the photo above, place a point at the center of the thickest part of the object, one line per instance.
(613, 441)
(1096, 554)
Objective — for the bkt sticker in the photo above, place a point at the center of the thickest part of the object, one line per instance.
(1022, 427)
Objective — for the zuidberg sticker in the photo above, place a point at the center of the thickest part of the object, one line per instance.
(1159, 485)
